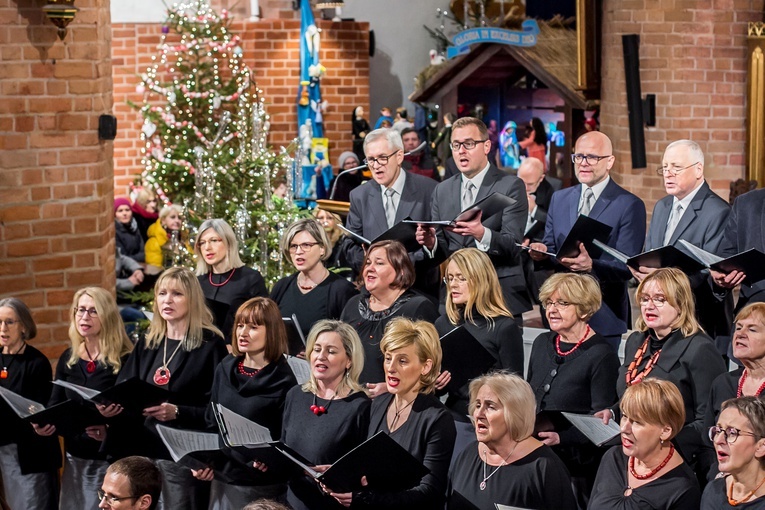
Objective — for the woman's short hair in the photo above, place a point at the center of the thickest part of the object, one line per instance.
(28, 326)
(351, 344)
(485, 294)
(313, 228)
(751, 408)
(226, 233)
(398, 258)
(165, 212)
(581, 290)
(752, 310)
(655, 401)
(144, 196)
(402, 332)
(677, 291)
(113, 340)
(265, 312)
(200, 317)
(517, 400)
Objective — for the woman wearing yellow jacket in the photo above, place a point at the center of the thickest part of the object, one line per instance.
(160, 232)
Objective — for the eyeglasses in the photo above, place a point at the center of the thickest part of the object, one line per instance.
(658, 301)
(9, 322)
(380, 160)
(92, 312)
(303, 246)
(672, 170)
(111, 500)
(590, 159)
(730, 434)
(214, 241)
(448, 279)
(556, 304)
(467, 144)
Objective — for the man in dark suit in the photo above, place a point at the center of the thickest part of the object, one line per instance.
(420, 163)
(693, 212)
(496, 236)
(599, 197)
(745, 229)
(391, 196)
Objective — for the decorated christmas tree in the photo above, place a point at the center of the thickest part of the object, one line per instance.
(205, 135)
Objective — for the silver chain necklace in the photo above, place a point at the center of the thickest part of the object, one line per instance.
(482, 486)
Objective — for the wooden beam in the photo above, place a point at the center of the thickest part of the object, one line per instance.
(755, 112)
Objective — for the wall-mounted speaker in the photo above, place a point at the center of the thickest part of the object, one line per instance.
(107, 127)
(630, 47)
(371, 43)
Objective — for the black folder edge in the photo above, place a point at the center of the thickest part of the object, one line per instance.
(295, 337)
(585, 229)
(668, 256)
(470, 358)
(69, 417)
(134, 394)
(751, 262)
(404, 232)
(491, 205)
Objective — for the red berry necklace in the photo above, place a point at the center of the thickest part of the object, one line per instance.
(654, 470)
(319, 410)
(576, 345)
(742, 380)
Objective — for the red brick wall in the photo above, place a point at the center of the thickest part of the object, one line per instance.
(693, 57)
(56, 221)
(271, 49)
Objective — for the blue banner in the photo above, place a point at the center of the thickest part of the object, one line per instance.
(462, 41)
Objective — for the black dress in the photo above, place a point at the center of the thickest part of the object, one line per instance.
(325, 301)
(715, 497)
(503, 340)
(677, 489)
(370, 325)
(539, 480)
(224, 296)
(428, 434)
(322, 439)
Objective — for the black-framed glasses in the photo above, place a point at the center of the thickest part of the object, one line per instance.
(111, 500)
(467, 144)
(380, 160)
(730, 434)
(92, 312)
(303, 246)
(673, 171)
(590, 159)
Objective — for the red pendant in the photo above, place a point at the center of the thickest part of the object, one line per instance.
(90, 367)
(4, 373)
(161, 376)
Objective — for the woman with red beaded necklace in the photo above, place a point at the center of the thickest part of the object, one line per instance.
(253, 382)
(739, 438)
(646, 471)
(571, 369)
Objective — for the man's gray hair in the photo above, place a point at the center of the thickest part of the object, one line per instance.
(693, 148)
(392, 136)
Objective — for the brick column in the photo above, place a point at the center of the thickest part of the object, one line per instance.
(56, 191)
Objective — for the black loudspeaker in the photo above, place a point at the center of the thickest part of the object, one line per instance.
(649, 109)
(371, 43)
(107, 127)
(630, 46)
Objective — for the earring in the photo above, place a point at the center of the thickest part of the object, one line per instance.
(661, 441)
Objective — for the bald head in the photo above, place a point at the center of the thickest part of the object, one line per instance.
(595, 153)
(531, 172)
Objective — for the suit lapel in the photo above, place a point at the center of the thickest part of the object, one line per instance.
(408, 200)
(601, 204)
(573, 207)
(661, 215)
(690, 215)
(376, 209)
(487, 184)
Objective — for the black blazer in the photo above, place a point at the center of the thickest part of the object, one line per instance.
(543, 197)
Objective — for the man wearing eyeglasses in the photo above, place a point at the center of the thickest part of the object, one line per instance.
(693, 212)
(131, 483)
(600, 198)
(496, 236)
(390, 197)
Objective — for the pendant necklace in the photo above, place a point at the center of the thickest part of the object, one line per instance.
(91, 365)
(162, 375)
(482, 486)
(4, 371)
(398, 412)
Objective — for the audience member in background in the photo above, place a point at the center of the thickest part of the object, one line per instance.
(670, 345)
(165, 232)
(313, 292)
(571, 369)
(420, 163)
(739, 438)
(412, 416)
(98, 349)
(129, 239)
(493, 131)
(348, 182)
(385, 116)
(225, 280)
(145, 210)
(253, 383)
(387, 278)
(474, 300)
(646, 471)
(28, 463)
(330, 221)
(401, 121)
(360, 129)
(535, 142)
(507, 465)
(136, 480)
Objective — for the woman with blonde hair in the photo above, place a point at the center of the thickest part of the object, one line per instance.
(474, 301)
(166, 229)
(144, 209)
(506, 465)
(179, 353)
(670, 345)
(99, 348)
(411, 415)
(646, 471)
(225, 280)
(330, 222)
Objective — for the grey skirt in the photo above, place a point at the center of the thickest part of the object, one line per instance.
(81, 480)
(35, 491)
